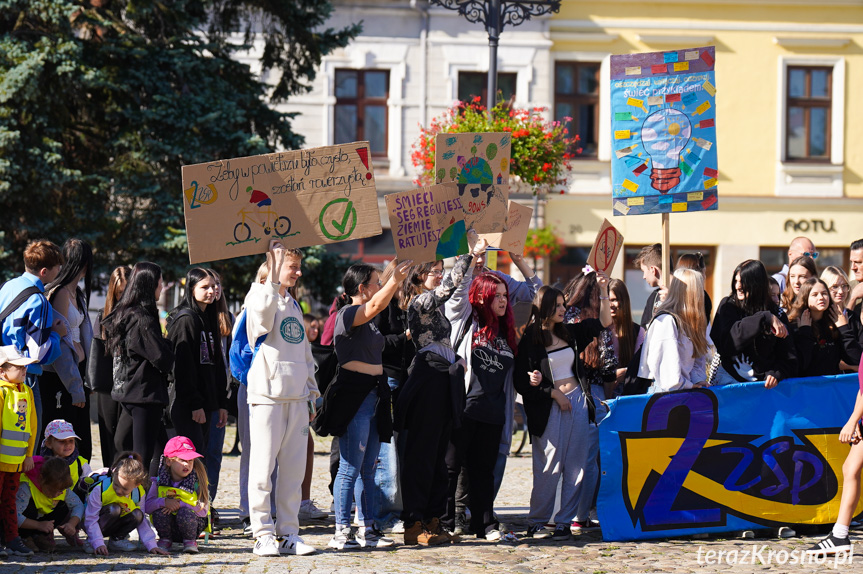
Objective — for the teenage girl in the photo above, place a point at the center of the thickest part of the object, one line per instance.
(627, 336)
(800, 270)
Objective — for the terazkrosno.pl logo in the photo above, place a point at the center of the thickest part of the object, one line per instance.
(764, 555)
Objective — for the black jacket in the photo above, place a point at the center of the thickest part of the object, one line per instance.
(748, 341)
(146, 359)
(821, 357)
(199, 372)
(430, 369)
(532, 357)
(398, 351)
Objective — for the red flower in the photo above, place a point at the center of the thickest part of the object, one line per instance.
(537, 178)
(477, 99)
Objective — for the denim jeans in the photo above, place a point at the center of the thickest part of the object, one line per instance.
(358, 452)
(213, 456)
(387, 480)
(591, 469)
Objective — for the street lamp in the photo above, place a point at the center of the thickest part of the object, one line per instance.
(495, 14)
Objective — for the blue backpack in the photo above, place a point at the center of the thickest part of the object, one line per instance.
(241, 353)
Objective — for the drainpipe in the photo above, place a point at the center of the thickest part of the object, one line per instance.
(421, 6)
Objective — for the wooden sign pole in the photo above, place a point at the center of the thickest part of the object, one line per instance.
(666, 251)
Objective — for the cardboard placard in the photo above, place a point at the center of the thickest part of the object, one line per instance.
(307, 197)
(663, 122)
(479, 164)
(605, 248)
(428, 223)
(518, 224)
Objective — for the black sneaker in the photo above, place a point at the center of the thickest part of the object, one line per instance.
(16, 547)
(561, 532)
(538, 532)
(461, 527)
(830, 545)
(247, 526)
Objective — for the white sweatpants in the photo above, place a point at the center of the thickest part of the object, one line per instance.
(277, 432)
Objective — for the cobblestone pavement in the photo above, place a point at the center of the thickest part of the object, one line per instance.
(231, 551)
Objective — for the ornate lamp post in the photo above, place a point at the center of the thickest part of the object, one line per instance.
(494, 15)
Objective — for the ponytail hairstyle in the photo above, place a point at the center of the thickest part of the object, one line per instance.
(582, 291)
(485, 287)
(543, 307)
(131, 466)
(412, 285)
(78, 256)
(356, 275)
(623, 321)
(116, 286)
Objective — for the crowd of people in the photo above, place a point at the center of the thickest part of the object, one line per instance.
(415, 374)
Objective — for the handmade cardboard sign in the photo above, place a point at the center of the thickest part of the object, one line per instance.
(308, 197)
(479, 164)
(606, 248)
(518, 224)
(428, 223)
(663, 123)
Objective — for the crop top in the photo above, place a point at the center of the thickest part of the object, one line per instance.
(361, 343)
(561, 362)
(75, 318)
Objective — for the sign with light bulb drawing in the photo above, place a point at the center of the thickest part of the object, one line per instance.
(663, 123)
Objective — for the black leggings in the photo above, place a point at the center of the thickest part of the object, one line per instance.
(117, 526)
(143, 423)
(109, 415)
(57, 404)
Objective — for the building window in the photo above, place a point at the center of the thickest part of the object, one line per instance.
(472, 84)
(361, 108)
(808, 98)
(576, 95)
(775, 258)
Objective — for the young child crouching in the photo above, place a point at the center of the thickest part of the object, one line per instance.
(60, 440)
(113, 508)
(45, 501)
(178, 499)
(17, 439)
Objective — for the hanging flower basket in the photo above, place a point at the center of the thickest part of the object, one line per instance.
(541, 150)
(542, 243)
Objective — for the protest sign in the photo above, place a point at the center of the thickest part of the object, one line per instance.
(308, 197)
(427, 223)
(479, 164)
(663, 126)
(605, 248)
(701, 461)
(518, 224)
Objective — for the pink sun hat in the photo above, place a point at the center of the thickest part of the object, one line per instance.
(182, 448)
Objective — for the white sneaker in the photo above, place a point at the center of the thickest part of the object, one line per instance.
(88, 548)
(124, 545)
(398, 527)
(308, 511)
(786, 532)
(344, 539)
(266, 545)
(370, 537)
(293, 544)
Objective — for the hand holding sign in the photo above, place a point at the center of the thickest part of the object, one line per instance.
(606, 248)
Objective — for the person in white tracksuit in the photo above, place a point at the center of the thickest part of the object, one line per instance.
(281, 395)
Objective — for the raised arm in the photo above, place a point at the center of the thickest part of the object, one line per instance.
(381, 299)
(462, 269)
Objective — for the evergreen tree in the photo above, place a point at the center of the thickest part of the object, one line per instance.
(103, 101)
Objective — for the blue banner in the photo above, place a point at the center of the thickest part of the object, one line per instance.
(723, 459)
(663, 127)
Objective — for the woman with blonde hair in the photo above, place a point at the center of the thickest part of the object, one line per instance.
(837, 283)
(676, 347)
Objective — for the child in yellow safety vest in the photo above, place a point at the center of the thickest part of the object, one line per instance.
(178, 499)
(114, 508)
(17, 439)
(60, 440)
(45, 501)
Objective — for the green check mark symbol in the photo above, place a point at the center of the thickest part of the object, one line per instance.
(341, 226)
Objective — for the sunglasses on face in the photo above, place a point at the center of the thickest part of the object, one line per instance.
(813, 255)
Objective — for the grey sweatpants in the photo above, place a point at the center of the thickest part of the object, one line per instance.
(559, 456)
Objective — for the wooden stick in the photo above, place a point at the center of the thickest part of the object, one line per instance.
(666, 251)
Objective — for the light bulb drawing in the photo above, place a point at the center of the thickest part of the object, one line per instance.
(664, 134)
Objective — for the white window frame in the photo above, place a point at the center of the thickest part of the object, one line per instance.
(808, 179)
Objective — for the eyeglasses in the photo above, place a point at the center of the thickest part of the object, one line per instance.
(838, 288)
(436, 272)
(813, 255)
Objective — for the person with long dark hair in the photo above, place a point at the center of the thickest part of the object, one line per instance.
(627, 336)
(357, 405)
(62, 384)
(557, 400)
(431, 401)
(143, 359)
(587, 298)
(822, 336)
(100, 369)
(199, 370)
(750, 337)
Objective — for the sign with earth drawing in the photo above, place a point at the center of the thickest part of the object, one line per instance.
(479, 164)
(234, 207)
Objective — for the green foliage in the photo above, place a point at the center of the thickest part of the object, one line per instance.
(543, 242)
(103, 102)
(323, 272)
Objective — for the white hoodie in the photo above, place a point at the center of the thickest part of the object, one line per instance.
(283, 369)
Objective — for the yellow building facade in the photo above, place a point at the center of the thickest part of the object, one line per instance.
(789, 75)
